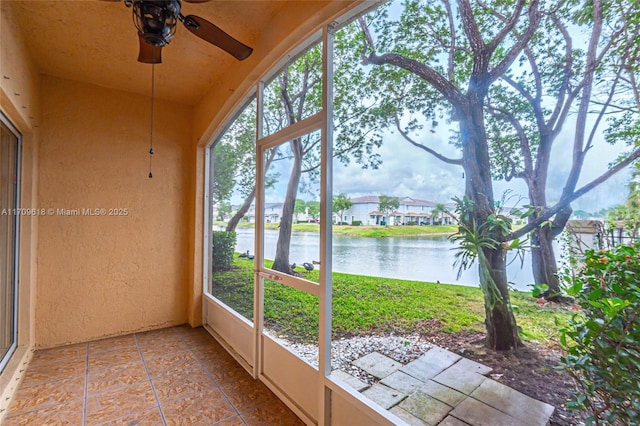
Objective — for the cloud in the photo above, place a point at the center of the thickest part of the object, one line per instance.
(410, 171)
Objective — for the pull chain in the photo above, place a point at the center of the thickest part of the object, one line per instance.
(151, 152)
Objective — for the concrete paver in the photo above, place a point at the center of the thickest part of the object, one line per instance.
(452, 421)
(442, 388)
(460, 379)
(513, 402)
(478, 413)
(377, 365)
(425, 408)
(407, 417)
(430, 364)
(352, 381)
(443, 393)
(467, 364)
(403, 382)
(384, 396)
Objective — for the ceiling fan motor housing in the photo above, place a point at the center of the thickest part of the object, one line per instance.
(156, 21)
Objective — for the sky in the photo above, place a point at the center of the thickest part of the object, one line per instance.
(410, 171)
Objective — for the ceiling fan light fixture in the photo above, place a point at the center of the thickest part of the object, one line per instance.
(156, 21)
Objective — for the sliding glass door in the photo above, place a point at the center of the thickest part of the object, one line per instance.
(9, 214)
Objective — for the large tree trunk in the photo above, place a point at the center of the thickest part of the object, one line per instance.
(543, 260)
(502, 331)
(281, 262)
(233, 223)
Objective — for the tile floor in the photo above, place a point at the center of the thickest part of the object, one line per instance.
(173, 376)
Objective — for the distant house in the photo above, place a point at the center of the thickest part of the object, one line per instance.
(273, 212)
(410, 211)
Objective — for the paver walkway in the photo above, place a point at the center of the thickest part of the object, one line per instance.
(442, 388)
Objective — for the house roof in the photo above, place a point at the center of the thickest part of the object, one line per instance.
(408, 201)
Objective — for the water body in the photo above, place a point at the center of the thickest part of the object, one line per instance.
(411, 258)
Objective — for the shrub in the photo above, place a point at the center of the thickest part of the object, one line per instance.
(356, 223)
(224, 244)
(602, 339)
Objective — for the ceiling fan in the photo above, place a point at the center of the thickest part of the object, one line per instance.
(156, 21)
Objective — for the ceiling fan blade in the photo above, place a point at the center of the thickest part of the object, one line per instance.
(214, 35)
(196, 1)
(149, 54)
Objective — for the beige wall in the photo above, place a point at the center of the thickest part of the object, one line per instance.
(19, 83)
(106, 275)
(86, 147)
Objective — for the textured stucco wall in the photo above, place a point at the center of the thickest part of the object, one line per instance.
(19, 83)
(19, 77)
(106, 275)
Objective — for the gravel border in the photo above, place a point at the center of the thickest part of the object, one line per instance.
(401, 348)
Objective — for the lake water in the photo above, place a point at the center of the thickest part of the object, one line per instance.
(411, 258)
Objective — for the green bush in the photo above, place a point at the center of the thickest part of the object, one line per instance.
(356, 223)
(602, 339)
(224, 244)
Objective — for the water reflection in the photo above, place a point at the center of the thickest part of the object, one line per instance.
(411, 258)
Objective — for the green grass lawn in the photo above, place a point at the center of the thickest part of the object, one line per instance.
(366, 231)
(363, 304)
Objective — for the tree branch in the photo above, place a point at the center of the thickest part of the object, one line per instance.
(452, 49)
(583, 107)
(455, 161)
(525, 147)
(569, 198)
(523, 40)
(440, 83)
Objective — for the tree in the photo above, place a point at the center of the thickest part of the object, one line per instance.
(340, 204)
(234, 165)
(527, 110)
(295, 94)
(313, 208)
(388, 205)
(223, 179)
(629, 212)
(439, 210)
(475, 66)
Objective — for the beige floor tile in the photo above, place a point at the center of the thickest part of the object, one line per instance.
(271, 413)
(112, 343)
(157, 336)
(47, 372)
(69, 352)
(203, 408)
(66, 414)
(233, 421)
(48, 394)
(228, 372)
(187, 367)
(181, 385)
(150, 417)
(162, 347)
(116, 377)
(111, 405)
(114, 358)
(171, 362)
(247, 393)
